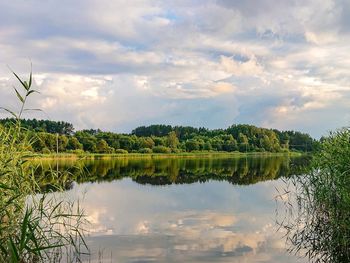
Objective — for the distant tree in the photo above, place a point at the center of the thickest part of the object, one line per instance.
(172, 140)
(49, 140)
(192, 145)
(102, 146)
(265, 143)
(159, 141)
(87, 140)
(301, 141)
(161, 149)
(60, 127)
(62, 143)
(126, 143)
(111, 138)
(243, 142)
(217, 143)
(92, 131)
(145, 150)
(230, 145)
(240, 137)
(74, 144)
(146, 142)
(207, 146)
(152, 130)
(38, 142)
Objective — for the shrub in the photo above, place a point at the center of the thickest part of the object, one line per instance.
(161, 149)
(176, 150)
(45, 150)
(145, 150)
(192, 145)
(319, 223)
(121, 151)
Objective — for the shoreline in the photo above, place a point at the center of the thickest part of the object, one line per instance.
(159, 155)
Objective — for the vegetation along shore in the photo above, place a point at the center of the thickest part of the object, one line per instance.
(59, 137)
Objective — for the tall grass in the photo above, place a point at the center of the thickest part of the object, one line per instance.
(317, 207)
(34, 226)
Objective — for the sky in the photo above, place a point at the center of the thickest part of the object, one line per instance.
(117, 65)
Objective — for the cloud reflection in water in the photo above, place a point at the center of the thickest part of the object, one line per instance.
(141, 223)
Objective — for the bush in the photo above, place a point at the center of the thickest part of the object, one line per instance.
(319, 224)
(284, 150)
(110, 150)
(161, 149)
(121, 151)
(145, 150)
(46, 151)
(176, 150)
(192, 145)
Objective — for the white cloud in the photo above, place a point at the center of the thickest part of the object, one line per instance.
(321, 38)
(261, 56)
(245, 68)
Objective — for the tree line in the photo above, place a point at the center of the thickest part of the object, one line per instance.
(50, 136)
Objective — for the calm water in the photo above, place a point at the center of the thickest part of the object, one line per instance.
(183, 209)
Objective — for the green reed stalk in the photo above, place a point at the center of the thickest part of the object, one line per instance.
(34, 226)
(317, 209)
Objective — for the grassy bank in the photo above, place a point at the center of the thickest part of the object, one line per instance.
(160, 155)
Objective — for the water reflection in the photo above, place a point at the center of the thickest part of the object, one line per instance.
(167, 171)
(202, 212)
(315, 212)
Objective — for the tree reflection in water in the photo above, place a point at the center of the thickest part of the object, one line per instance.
(108, 201)
(166, 171)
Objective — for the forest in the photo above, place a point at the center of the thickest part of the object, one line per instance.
(51, 136)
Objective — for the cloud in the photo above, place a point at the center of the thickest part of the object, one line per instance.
(320, 38)
(108, 57)
(238, 68)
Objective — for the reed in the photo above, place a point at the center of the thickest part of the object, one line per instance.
(317, 205)
(34, 226)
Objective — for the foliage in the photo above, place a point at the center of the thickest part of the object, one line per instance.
(33, 228)
(48, 126)
(243, 138)
(172, 140)
(181, 170)
(319, 224)
(74, 144)
(122, 151)
(192, 145)
(161, 149)
(145, 150)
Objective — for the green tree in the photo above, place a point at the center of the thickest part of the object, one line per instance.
(161, 149)
(74, 144)
(102, 146)
(38, 142)
(158, 141)
(207, 146)
(172, 140)
(230, 145)
(126, 143)
(87, 140)
(62, 143)
(243, 142)
(147, 142)
(192, 145)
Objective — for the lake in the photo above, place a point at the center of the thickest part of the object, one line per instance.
(215, 209)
